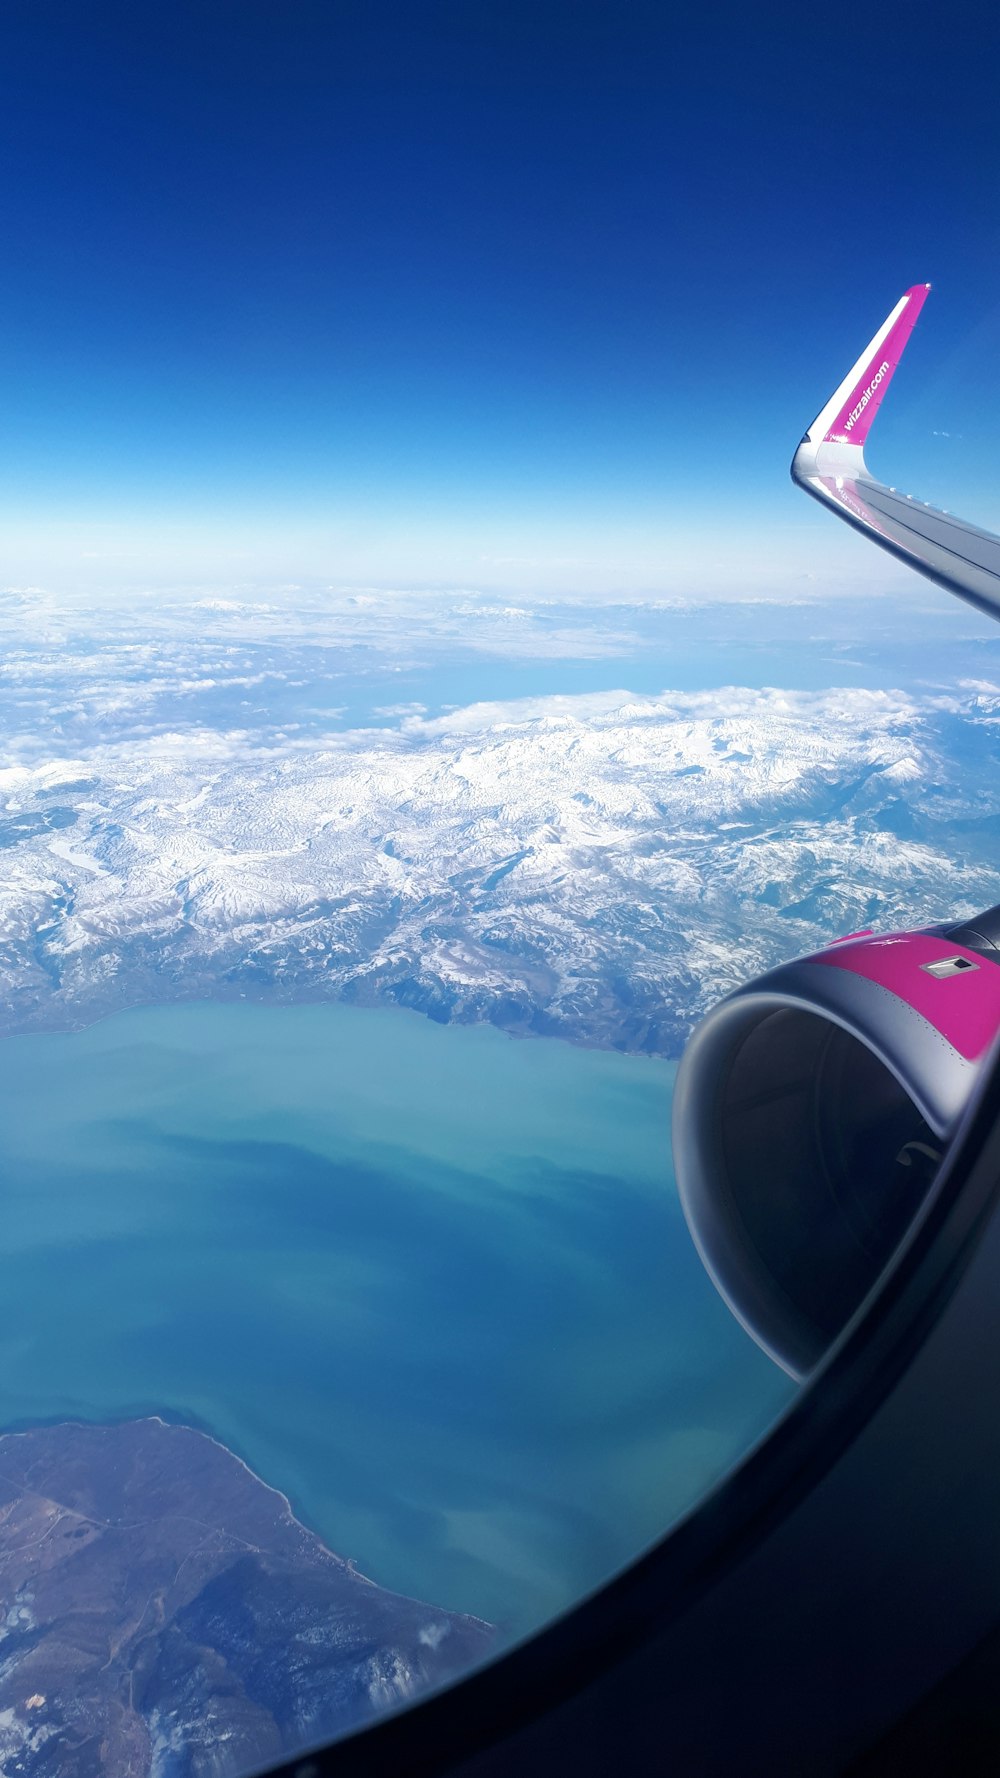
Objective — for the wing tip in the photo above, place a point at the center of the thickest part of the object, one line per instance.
(852, 420)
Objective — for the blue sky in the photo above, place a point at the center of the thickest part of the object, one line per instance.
(486, 294)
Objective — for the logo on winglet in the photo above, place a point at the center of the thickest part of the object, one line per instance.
(856, 412)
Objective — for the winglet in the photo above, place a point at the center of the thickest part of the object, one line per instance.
(829, 465)
(847, 417)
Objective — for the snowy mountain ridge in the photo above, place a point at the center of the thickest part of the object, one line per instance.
(602, 867)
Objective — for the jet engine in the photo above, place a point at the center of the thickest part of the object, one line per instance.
(811, 1111)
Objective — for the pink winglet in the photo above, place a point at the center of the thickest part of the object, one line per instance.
(963, 1007)
(852, 423)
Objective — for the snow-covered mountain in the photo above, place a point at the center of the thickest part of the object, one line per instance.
(603, 867)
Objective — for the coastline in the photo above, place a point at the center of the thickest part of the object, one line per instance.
(84, 1020)
(297, 1519)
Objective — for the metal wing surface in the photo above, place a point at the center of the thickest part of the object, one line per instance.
(830, 465)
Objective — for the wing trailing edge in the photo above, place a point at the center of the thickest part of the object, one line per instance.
(830, 465)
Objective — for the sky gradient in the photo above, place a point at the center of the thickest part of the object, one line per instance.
(531, 297)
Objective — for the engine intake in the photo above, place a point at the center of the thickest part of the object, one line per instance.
(811, 1111)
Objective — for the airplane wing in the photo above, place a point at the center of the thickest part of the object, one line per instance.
(830, 465)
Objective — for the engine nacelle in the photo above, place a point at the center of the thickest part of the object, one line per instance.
(811, 1110)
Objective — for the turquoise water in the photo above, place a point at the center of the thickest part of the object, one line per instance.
(433, 1282)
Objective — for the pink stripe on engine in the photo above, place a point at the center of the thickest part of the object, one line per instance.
(964, 1008)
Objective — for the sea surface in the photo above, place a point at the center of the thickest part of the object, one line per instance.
(431, 1281)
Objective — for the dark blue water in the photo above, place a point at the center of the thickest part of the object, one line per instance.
(432, 1282)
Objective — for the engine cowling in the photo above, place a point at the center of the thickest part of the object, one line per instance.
(811, 1111)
